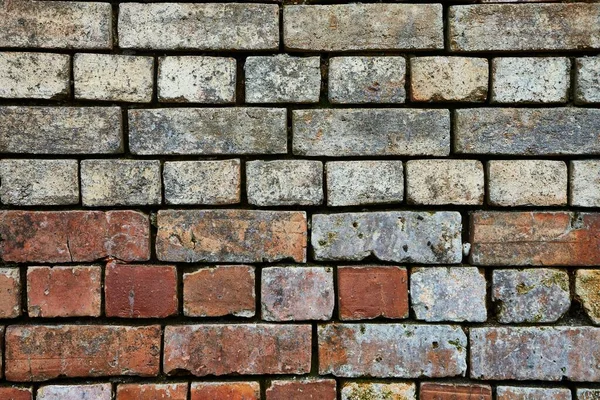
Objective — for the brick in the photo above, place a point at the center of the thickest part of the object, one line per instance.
(523, 27)
(441, 79)
(396, 236)
(527, 131)
(448, 294)
(371, 132)
(225, 390)
(10, 293)
(587, 80)
(39, 353)
(588, 394)
(39, 182)
(358, 80)
(166, 391)
(531, 295)
(343, 27)
(282, 79)
(535, 238)
(392, 350)
(351, 183)
(113, 77)
(64, 291)
(101, 391)
(219, 291)
(371, 292)
(297, 293)
(202, 182)
(196, 79)
(444, 391)
(247, 349)
(527, 183)
(535, 353)
(16, 393)
(237, 236)
(120, 182)
(56, 24)
(584, 183)
(179, 26)
(525, 393)
(284, 182)
(530, 80)
(378, 391)
(444, 182)
(313, 389)
(140, 291)
(205, 131)
(60, 130)
(73, 236)
(587, 292)
(34, 75)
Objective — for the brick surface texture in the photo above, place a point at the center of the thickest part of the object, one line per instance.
(299, 200)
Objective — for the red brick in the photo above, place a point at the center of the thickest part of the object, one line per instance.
(64, 291)
(237, 348)
(372, 291)
(443, 391)
(73, 236)
(38, 352)
(140, 291)
(10, 293)
(225, 390)
(535, 238)
(15, 393)
(166, 391)
(307, 389)
(219, 291)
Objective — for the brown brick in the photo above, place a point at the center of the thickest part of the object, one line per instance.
(371, 291)
(10, 293)
(16, 393)
(225, 390)
(64, 291)
(587, 292)
(166, 391)
(38, 352)
(140, 291)
(443, 391)
(535, 238)
(313, 389)
(247, 349)
(219, 291)
(73, 236)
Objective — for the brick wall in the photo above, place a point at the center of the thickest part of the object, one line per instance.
(316, 201)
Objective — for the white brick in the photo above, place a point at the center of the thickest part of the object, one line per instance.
(585, 183)
(34, 75)
(587, 86)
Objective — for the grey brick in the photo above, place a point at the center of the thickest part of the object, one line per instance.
(379, 391)
(34, 75)
(519, 392)
(99, 391)
(588, 394)
(587, 84)
(585, 183)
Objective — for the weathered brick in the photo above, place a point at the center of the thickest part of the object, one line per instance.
(16, 393)
(248, 349)
(218, 291)
(196, 79)
(399, 236)
(531, 295)
(207, 131)
(343, 27)
(113, 77)
(527, 131)
(526, 393)
(351, 183)
(371, 132)
(530, 80)
(356, 80)
(56, 24)
(392, 350)
(34, 75)
(584, 183)
(378, 391)
(284, 182)
(587, 82)
(39, 182)
(587, 290)
(291, 293)
(149, 391)
(60, 130)
(527, 183)
(120, 182)
(225, 390)
(231, 236)
(73, 236)
(436, 79)
(177, 26)
(444, 391)
(588, 394)
(524, 27)
(372, 291)
(140, 291)
(39, 353)
(10, 293)
(100, 391)
(313, 389)
(535, 353)
(448, 294)
(444, 182)
(64, 291)
(535, 238)
(282, 79)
